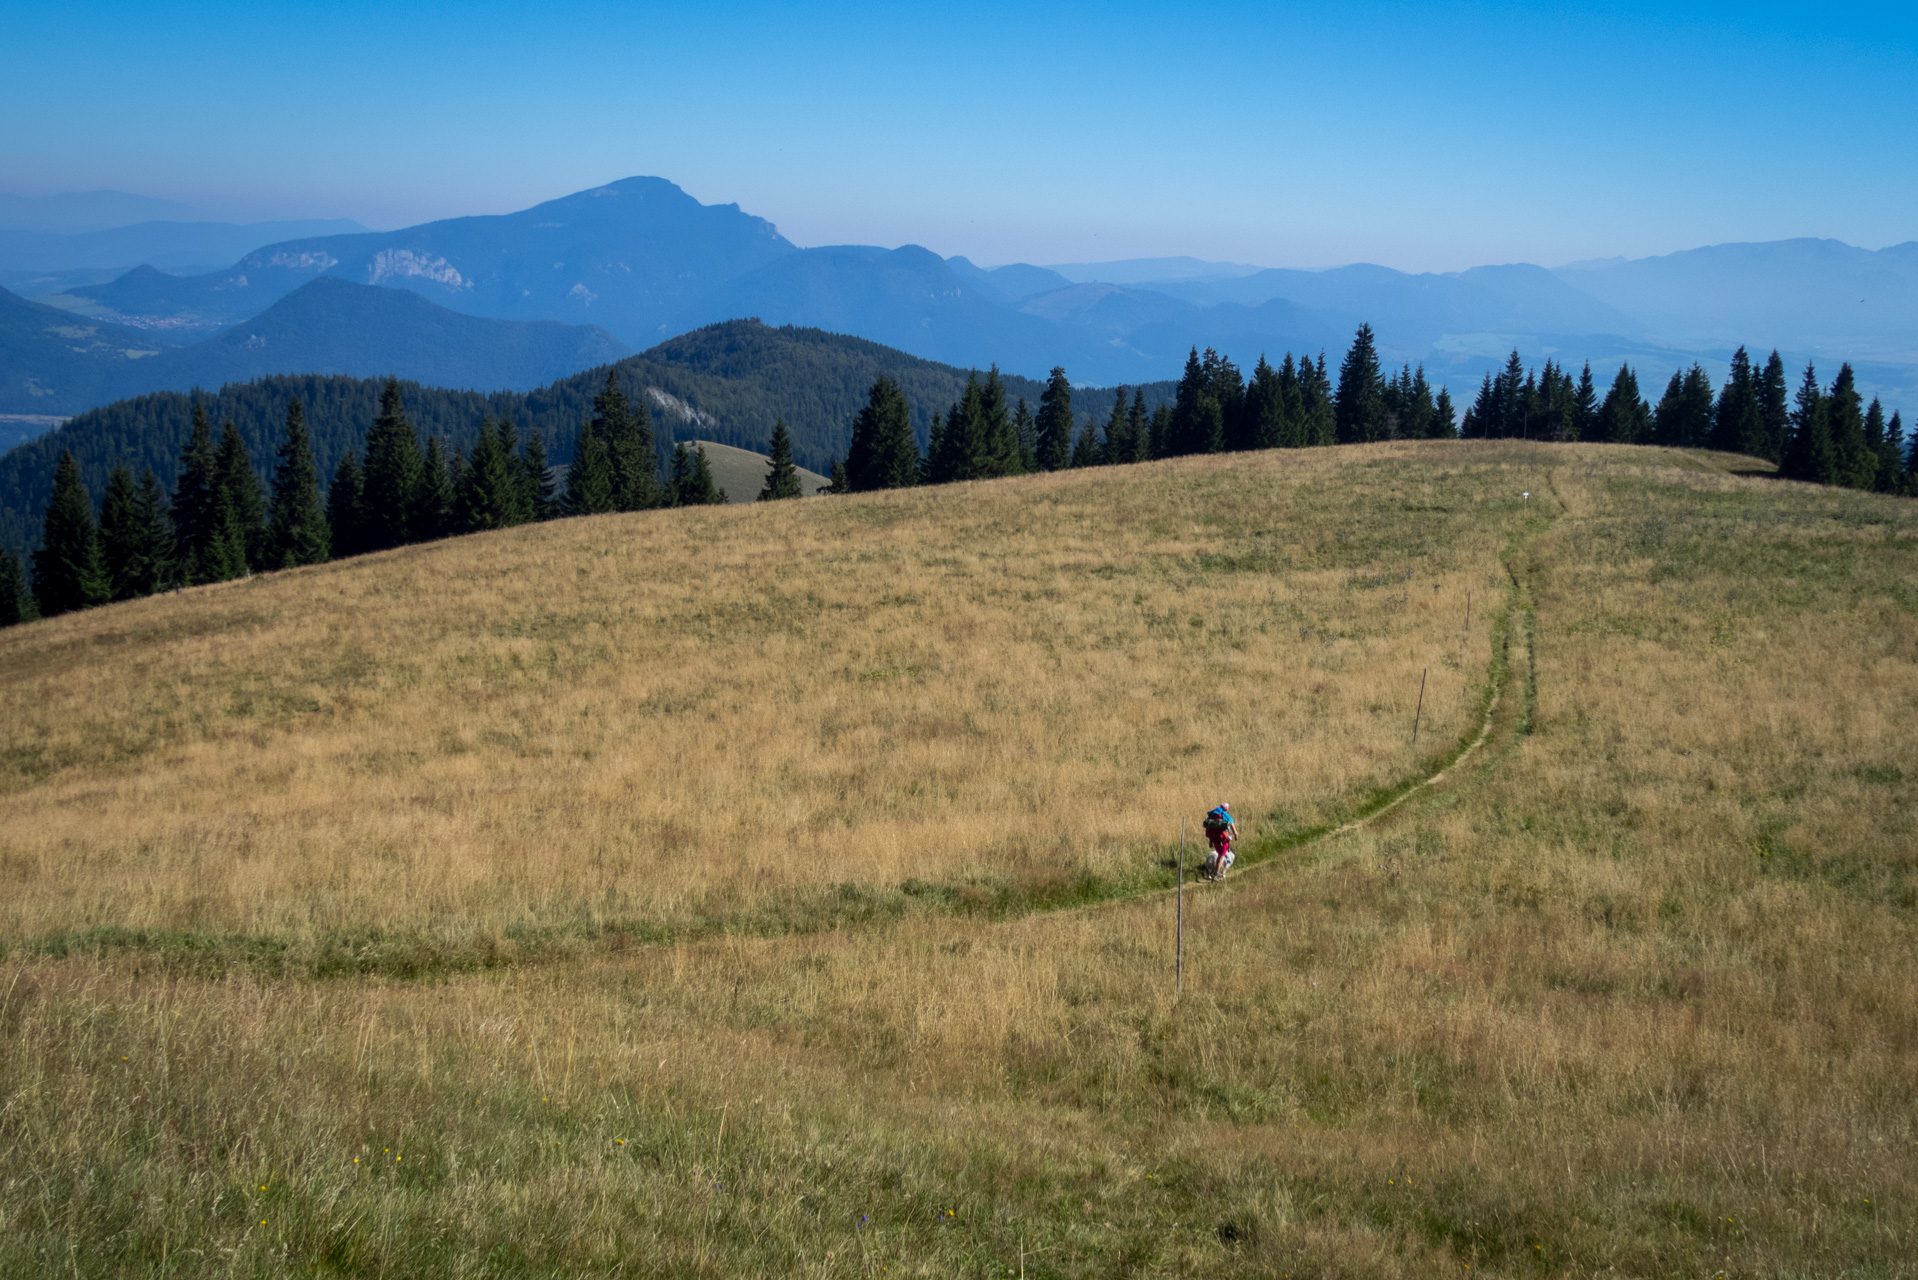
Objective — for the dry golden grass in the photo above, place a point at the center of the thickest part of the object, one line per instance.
(653, 717)
(1631, 992)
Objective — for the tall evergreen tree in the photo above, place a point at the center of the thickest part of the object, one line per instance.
(1085, 450)
(1002, 444)
(1185, 433)
(1055, 422)
(589, 480)
(133, 534)
(1901, 460)
(965, 445)
(627, 431)
(1684, 415)
(1857, 461)
(1444, 416)
(1481, 420)
(1159, 432)
(241, 488)
(393, 473)
(346, 507)
(1118, 448)
(297, 529)
(836, 477)
(119, 531)
(691, 484)
(433, 517)
(1889, 473)
(782, 477)
(1265, 408)
(1224, 387)
(17, 604)
(197, 516)
(1026, 428)
(1138, 428)
(491, 490)
(1774, 412)
(1585, 405)
(1809, 455)
(1736, 418)
(68, 571)
(535, 475)
(884, 453)
(1623, 416)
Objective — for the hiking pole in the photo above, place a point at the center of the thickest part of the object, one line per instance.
(1178, 963)
(1421, 710)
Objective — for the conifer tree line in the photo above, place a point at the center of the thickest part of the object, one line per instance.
(1216, 409)
(1826, 435)
(218, 524)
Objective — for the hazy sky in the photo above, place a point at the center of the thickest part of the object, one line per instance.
(1425, 137)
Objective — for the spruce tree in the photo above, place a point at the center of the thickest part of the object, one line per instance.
(1585, 405)
(1055, 422)
(1138, 428)
(392, 474)
(965, 444)
(1857, 462)
(782, 478)
(626, 429)
(1026, 428)
(535, 476)
(1186, 430)
(1001, 455)
(1774, 413)
(1085, 449)
(1888, 476)
(196, 501)
(133, 534)
(1159, 433)
(679, 475)
(589, 480)
(1264, 408)
(1118, 448)
(17, 604)
(836, 477)
(884, 453)
(489, 487)
(68, 571)
(1481, 418)
(297, 529)
(433, 516)
(1624, 417)
(346, 506)
(154, 565)
(240, 487)
(1736, 419)
(1444, 417)
(119, 531)
(1809, 454)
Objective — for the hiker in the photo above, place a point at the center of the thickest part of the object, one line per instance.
(1220, 832)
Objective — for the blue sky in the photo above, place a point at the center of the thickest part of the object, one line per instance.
(1424, 137)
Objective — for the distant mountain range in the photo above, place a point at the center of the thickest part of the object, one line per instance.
(642, 260)
(52, 361)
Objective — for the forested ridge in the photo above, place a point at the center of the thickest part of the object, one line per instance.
(737, 377)
(388, 488)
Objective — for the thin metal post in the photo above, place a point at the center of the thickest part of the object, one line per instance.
(1178, 963)
(1421, 710)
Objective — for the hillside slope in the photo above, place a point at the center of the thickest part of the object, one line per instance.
(789, 889)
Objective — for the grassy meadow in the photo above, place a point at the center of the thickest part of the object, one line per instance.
(764, 891)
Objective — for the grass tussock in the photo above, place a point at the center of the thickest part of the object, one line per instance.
(1630, 991)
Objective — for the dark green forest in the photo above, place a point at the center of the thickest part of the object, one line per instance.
(249, 503)
(738, 377)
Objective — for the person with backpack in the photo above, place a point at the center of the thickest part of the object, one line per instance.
(1220, 832)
